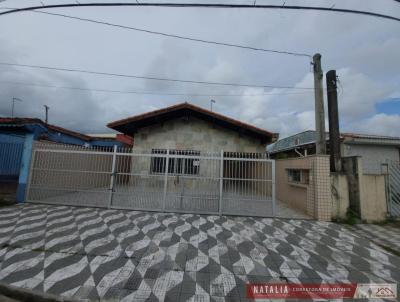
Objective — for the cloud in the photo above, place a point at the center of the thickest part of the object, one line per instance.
(381, 124)
(76, 110)
(363, 51)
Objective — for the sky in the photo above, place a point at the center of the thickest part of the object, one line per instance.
(364, 51)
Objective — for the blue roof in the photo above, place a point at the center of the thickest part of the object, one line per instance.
(290, 142)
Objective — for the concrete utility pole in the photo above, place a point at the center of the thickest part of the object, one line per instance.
(47, 113)
(319, 105)
(13, 104)
(333, 114)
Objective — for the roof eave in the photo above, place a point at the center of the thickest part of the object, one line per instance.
(121, 125)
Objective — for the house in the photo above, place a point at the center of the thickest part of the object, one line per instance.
(178, 150)
(17, 136)
(189, 128)
(373, 149)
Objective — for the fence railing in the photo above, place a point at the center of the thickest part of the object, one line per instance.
(160, 180)
(10, 160)
(391, 170)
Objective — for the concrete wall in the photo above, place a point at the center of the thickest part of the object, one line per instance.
(191, 134)
(194, 134)
(364, 194)
(352, 168)
(313, 198)
(294, 195)
(372, 155)
(340, 195)
(373, 201)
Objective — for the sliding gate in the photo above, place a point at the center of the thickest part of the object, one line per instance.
(160, 180)
(392, 180)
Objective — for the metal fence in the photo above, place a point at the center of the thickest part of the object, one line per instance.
(10, 160)
(391, 169)
(159, 180)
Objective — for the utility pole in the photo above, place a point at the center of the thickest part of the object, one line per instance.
(47, 112)
(333, 114)
(13, 104)
(319, 105)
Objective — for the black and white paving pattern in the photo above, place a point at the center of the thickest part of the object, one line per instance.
(113, 255)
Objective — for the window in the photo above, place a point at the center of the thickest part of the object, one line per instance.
(298, 176)
(176, 165)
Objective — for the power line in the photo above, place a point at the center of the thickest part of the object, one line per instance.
(176, 36)
(151, 77)
(205, 5)
(149, 92)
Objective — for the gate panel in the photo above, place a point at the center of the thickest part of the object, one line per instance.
(163, 180)
(393, 180)
(10, 158)
(69, 175)
(136, 188)
(248, 185)
(193, 183)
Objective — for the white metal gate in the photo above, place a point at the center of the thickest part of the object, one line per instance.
(161, 180)
(392, 179)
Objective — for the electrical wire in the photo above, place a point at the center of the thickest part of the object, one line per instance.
(176, 36)
(150, 92)
(150, 77)
(206, 5)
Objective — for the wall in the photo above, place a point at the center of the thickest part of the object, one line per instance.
(11, 147)
(340, 195)
(191, 134)
(294, 195)
(372, 155)
(373, 203)
(352, 168)
(194, 134)
(313, 198)
(364, 194)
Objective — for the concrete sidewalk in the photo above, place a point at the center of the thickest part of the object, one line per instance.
(385, 235)
(100, 254)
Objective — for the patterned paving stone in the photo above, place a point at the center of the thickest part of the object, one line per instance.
(387, 235)
(107, 254)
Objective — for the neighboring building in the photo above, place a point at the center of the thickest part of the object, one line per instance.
(373, 149)
(188, 127)
(122, 138)
(17, 136)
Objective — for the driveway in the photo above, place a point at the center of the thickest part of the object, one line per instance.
(88, 253)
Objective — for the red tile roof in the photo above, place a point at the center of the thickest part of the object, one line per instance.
(131, 124)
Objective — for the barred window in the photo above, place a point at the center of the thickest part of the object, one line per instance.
(299, 176)
(176, 165)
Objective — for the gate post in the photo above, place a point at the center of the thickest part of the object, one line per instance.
(273, 189)
(24, 168)
(166, 180)
(385, 172)
(112, 180)
(221, 182)
(32, 164)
